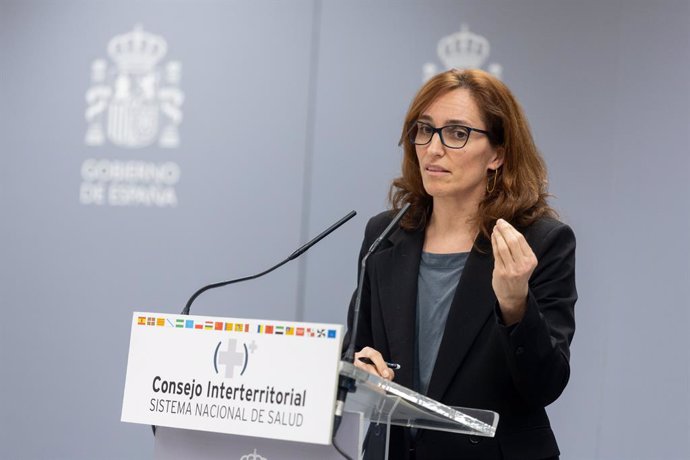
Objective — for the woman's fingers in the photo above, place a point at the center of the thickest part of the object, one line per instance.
(513, 241)
(515, 252)
(378, 366)
(500, 249)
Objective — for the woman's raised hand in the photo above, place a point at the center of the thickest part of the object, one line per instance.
(514, 262)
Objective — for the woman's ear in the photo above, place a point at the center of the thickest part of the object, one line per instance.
(497, 161)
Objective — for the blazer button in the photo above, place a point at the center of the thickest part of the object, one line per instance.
(519, 351)
(474, 440)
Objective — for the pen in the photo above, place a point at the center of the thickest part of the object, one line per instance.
(390, 365)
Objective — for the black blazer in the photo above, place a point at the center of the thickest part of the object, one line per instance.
(515, 371)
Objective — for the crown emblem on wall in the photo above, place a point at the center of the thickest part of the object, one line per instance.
(137, 100)
(463, 50)
(252, 456)
(137, 52)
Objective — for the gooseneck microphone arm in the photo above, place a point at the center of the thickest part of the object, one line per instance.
(350, 353)
(292, 256)
(346, 384)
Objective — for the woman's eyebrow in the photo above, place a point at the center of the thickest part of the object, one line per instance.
(452, 121)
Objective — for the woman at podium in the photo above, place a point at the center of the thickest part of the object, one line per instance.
(473, 292)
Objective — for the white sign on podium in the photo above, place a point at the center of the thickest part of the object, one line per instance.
(246, 377)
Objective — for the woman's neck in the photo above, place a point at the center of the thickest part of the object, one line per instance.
(452, 227)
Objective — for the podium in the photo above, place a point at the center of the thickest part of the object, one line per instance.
(373, 402)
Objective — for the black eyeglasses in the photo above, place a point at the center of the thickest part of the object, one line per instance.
(452, 136)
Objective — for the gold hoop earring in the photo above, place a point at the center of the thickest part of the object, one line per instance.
(493, 186)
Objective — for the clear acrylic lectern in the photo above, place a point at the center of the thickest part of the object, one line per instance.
(386, 403)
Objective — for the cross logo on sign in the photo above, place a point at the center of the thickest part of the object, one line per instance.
(231, 358)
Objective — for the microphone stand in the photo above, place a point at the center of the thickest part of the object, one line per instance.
(347, 384)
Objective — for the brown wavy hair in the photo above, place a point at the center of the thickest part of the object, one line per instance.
(520, 194)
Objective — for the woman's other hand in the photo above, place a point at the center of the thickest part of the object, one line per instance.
(379, 367)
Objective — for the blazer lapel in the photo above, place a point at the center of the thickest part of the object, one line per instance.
(472, 304)
(397, 269)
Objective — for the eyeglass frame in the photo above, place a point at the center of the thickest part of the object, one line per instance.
(440, 134)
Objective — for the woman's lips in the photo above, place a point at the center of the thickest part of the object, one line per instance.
(436, 170)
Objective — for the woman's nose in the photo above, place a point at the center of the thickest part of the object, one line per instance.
(435, 146)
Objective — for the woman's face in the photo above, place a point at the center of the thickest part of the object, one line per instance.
(456, 173)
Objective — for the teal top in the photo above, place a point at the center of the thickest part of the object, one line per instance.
(438, 278)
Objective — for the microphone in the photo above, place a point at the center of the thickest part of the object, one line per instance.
(292, 256)
(346, 384)
(350, 353)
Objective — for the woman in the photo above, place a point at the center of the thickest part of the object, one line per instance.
(474, 293)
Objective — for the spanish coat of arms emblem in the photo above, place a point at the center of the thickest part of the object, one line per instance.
(134, 101)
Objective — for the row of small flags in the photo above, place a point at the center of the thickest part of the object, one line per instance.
(237, 327)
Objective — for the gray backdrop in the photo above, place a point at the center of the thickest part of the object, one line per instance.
(290, 118)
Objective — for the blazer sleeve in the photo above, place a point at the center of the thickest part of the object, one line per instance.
(538, 347)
